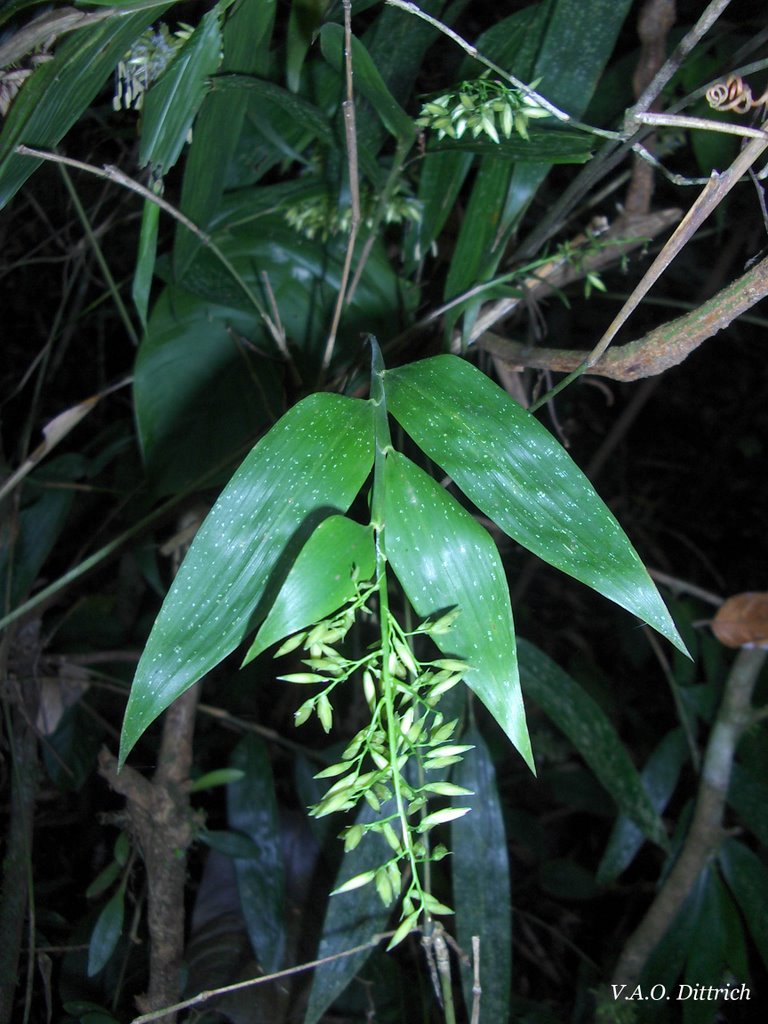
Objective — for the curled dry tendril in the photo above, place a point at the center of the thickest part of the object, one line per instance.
(734, 94)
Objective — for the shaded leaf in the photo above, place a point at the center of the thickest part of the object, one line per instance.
(247, 31)
(106, 933)
(368, 81)
(232, 844)
(252, 810)
(550, 146)
(351, 919)
(311, 463)
(480, 849)
(660, 776)
(171, 105)
(747, 878)
(300, 110)
(748, 796)
(198, 398)
(60, 89)
(586, 726)
(320, 580)
(145, 260)
(512, 468)
(444, 558)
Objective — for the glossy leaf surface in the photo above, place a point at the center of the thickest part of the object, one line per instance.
(320, 580)
(512, 468)
(584, 723)
(310, 464)
(483, 908)
(444, 559)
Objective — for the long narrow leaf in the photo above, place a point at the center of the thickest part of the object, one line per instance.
(586, 726)
(480, 851)
(311, 463)
(444, 559)
(247, 32)
(512, 468)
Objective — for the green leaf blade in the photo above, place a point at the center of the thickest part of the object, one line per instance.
(512, 468)
(443, 558)
(584, 723)
(311, 463)
(320, 581)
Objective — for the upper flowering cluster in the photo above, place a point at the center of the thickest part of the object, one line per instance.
(484, 106)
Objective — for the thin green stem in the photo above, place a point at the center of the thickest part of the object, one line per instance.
(130, 330)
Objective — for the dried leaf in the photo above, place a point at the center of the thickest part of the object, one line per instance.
(742, 621)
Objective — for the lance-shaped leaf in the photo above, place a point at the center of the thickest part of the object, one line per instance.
(170, 106)
(311, 463)
(512, 468)
(444, 558)
(321, 580)
(584, 723)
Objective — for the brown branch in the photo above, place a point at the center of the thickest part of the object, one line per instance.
(622, 238)
(706, 831)
(164, 827)
(662, 348)
(653, 25)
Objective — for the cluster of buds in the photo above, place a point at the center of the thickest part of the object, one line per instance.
(143, 64)
(482, 106)
(322, 216)
(405, 728)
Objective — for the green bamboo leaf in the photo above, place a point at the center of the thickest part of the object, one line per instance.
(300, 110)
(512, 468)
(748, 796)
(231, 844)
(218, 777)
(352, 917)
(747, 878)
(587, 727)
(145, 260)
(247, 32)
(368, 81)
(478, 238)
(480, 850)
(60, 89)
(660, 776)
(320, 581)
(197, 405)
(106, 932)
(172, 104)
(103, 880)
(313, 461)
(305, 19)
(544, 145)
(444, 558)
(252, 810)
